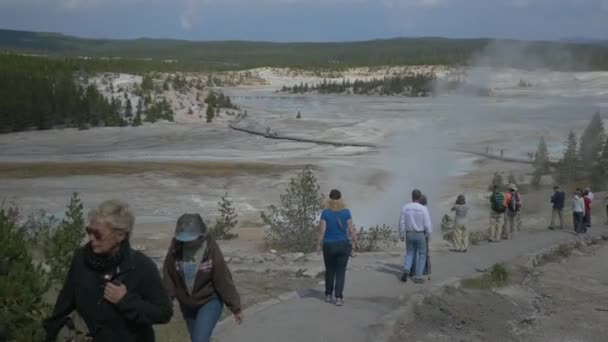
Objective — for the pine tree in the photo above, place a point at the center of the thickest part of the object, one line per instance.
(599, 177)
(227, 220)
(128, 110)
(62, 242)
(210, 114)
(292, 224)
(570, 165)
(541, 158)
(541, 163)
(592, 141)
(147, 84)
(137, 121)
(23, 284)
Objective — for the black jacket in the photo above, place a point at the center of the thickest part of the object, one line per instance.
(146, 302)
(558, 200)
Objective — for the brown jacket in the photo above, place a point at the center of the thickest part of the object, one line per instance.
(213, 279)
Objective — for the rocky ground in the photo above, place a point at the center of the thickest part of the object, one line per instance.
(563, 299)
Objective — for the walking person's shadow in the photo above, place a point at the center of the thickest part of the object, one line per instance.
(393, 269)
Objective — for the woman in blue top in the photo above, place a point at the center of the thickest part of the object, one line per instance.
(336, 231)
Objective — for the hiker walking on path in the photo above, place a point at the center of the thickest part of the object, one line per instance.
(587, 218)
(513, 214)
(497, 213)
(337, 237)
(196, 274)
(426, 271)
(415, 228)
(116, 290)
(578, 211)
(461, 234)
(558, 198)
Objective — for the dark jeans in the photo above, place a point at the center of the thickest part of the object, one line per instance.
(578, 218)
(587, 221)
(335, 256)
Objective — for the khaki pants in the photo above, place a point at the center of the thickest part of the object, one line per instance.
(512, 224)
(557, 213)
(461, 237)
(495, 230)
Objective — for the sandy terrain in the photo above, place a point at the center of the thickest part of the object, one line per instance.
(563, 300)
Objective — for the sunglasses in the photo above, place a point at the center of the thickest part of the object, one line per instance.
(93, 232)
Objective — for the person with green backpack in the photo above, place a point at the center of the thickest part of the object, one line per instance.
(497, 213)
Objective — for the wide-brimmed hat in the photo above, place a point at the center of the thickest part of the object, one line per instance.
(513, 187)
(190, 227)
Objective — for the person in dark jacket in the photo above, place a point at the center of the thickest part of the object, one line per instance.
(558, 198)
(116, 290)
(196, 274)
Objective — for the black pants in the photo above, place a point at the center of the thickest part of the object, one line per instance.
(578, 218)
(335, 256)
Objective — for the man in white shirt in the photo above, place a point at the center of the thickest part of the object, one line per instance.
(415, 227)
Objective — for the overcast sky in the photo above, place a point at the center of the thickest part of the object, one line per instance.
(310, 20)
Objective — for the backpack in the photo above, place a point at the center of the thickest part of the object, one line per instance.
(514, 202)
(496, 202)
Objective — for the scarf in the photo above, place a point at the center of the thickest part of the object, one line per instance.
(105, 262)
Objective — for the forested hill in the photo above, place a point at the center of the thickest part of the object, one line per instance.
(241, 54)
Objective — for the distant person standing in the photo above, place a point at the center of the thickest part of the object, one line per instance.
(587, 218)
(415, 228)
(558, 198)
(578, 211)
(461, 234)
(512, 217)
(337, 237)
(497, 213)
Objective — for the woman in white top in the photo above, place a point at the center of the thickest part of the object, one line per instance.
(578, 211)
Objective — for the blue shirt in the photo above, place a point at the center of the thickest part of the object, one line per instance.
(333, 231)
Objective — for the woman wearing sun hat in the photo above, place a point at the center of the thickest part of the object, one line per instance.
(196, 274)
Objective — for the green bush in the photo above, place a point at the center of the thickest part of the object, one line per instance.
(34, 258)
(292, 225)
(499, 274)
(376, 238)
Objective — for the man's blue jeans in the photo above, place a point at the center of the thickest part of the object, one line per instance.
(201, 322)
(415, 243)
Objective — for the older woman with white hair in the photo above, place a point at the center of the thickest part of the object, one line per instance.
(116, 290)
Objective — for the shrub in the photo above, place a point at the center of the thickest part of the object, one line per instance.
(499, 274)
(447, 227)
(292, 224)
(61, 242)
(376, 238)
(475, 238)
(227, 221)
(24, 279)
(22, 285)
